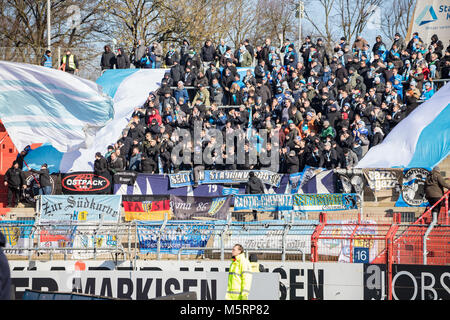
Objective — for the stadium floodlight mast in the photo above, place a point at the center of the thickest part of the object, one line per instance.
(48, 25)
(301, 10)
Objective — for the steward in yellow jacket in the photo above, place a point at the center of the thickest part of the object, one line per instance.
(239, 276)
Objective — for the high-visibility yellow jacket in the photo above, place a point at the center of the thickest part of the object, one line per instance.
(71, 65)
(239, 278)
(254, 266)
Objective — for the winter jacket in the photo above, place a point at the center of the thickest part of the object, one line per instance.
(315, 160)
(208, 53)
(100, 166)
(181, 93)
(188, 79)
(330, 159)
(201, 80)
(350, 160)
(172, 56)
(254, 186)
(122, 60)
(156, 116)
(148, 165)
(44, 177)
(139, 52)
(177, 73)
(158, 51)
(203, 96)
(15, 177)
(211, 75)
(245, 59)
(135, 162)
(292, 164)
(108, 60)
(116, 166)
(260, 71)
(435, 184)
(217, 94)
(400, 43)
(239, 278)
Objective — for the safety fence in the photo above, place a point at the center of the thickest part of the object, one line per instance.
(351, 241)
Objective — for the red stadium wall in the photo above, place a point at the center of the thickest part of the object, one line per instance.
(8, 154)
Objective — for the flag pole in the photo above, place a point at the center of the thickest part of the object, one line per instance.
(32, 174)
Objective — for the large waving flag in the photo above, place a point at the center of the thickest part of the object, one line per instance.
(42, 105)
(421, 140)
(128, 88)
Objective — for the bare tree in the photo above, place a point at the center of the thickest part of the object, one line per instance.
(167, 22)
(23, 31)
(325, 31)
(132, 20)
(353, 16)
(195, 20)
(242, 20)
(397, 17)
(275, 20)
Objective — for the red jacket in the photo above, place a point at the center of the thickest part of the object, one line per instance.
(156, 116)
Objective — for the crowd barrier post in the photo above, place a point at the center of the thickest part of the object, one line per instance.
(315, 237)
(222, 233)
(158, 244)
(446, 209)
(136, 243)
(31, 241)
(128, 241)
(361, 200)
(425, 237)
(351, 241)
(37, 207)
(287, 227)
(390, 251)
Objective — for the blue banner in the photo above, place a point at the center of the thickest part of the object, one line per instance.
(159, 184)
(263, 202)
(17, 233)
(175, 235)
(91, 208)
(325, 202)
(183, 179)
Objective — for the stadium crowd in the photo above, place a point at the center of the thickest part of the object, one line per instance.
(329, 108)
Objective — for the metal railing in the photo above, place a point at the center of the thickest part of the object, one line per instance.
(313, 241)
(437, 84)
(316, 240)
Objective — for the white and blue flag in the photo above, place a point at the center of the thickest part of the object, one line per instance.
(421, 140)
(42, 105)
(127, 89)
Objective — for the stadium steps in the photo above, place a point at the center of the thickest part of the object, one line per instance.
(20, 213)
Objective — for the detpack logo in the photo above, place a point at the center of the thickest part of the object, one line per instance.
(426, 16)
(84, 182)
